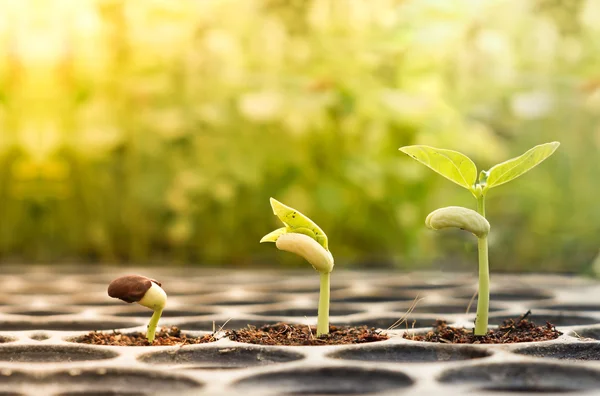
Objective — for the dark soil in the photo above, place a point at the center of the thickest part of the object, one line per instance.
(511, 331)
(286, 334)
(164, 337)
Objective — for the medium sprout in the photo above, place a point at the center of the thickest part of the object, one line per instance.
(459, 169)
(144, 291)
(306, 239)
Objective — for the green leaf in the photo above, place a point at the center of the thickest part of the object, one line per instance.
(274, 235)
(513, 168)
(453, 165)
(296, 222)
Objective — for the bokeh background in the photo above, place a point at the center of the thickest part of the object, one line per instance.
(146, 131)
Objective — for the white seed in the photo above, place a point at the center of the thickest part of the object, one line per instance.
(306, 247)
(458, 217)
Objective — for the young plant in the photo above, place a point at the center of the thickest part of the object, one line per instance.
(306, 239)
(144, 291)
(459, 169)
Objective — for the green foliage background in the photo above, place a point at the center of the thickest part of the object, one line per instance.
(156, 131)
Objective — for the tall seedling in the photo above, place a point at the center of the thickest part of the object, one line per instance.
(459, 169)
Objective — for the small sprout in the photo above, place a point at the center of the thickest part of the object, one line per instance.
(144, 291)
(459, 169)
(306, 239)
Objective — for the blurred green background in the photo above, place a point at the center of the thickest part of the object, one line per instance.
(153, 131)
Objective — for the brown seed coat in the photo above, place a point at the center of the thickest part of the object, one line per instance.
(130, 288)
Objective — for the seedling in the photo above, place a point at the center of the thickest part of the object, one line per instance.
(144, 291)
(459, 169)
(303, 237)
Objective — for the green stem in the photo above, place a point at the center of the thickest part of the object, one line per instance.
(323, 319)
(483, 300)
(481, 205)
(152, 325)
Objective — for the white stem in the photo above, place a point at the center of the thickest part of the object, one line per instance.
(323, 318)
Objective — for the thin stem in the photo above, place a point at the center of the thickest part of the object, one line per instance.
(323, 319)
(152, 325)
(481, 205)
(483, 301)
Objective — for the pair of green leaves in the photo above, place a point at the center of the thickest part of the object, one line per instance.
(459, 168)
(295, 222)
(301, 236)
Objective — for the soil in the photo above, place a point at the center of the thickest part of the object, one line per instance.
(511, 331)
(291, 335)
(164, 337)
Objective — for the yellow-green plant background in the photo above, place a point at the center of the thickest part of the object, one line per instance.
(155, 131)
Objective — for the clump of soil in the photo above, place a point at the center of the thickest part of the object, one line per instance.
(290, 335)
(164, 337)
(511, 331)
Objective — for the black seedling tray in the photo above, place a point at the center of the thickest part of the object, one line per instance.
(43, 309)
